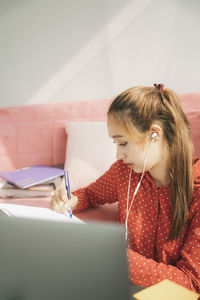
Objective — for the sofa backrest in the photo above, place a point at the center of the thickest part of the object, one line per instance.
(35, 134)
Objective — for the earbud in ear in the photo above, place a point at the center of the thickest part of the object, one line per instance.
(154, 135)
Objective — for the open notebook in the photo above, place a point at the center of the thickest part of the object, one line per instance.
(33, 212)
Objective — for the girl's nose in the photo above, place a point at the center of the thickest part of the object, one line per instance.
(120, 154)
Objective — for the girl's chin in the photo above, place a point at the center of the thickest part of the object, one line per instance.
(134, 168)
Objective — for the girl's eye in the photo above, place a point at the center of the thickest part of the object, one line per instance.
(124, 144)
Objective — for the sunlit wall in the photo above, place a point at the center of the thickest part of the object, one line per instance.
(68, 50)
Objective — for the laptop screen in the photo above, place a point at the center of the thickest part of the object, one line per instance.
(56, 260)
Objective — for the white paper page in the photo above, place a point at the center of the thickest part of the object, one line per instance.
(37, 213)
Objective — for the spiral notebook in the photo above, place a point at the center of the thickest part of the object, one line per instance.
(30, 176)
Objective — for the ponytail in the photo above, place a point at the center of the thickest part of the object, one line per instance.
(179, 139)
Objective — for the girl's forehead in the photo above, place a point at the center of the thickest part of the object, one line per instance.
(114, 128)
(128, 132)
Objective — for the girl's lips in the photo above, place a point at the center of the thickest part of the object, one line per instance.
(130, 165)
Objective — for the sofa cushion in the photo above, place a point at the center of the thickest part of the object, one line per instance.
(90, 152)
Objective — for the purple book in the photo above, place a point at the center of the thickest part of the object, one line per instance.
(30, 176)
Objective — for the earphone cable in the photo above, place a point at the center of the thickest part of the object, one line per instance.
(136, 190)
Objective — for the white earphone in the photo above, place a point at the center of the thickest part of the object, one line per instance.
(153, 136)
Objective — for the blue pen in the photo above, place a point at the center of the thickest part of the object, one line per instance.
(70, 212)
(68, 191)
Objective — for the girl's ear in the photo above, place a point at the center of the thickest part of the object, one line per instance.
(156, 131)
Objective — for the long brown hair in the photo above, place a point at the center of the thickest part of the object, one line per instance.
(139, 107)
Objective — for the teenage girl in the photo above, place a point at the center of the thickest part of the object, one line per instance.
(156, 182)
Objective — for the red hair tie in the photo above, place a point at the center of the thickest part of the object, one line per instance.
(159, 87)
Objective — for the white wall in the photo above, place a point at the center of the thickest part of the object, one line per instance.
(63, 50)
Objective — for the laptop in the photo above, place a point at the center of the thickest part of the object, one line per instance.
(41, 259)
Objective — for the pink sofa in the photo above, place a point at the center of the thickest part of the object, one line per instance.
(35, 134)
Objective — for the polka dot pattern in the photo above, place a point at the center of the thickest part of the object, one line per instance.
(150, 256)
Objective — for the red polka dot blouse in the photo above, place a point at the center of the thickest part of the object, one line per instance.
(151, 257)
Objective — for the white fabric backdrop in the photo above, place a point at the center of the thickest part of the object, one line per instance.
(55, 51)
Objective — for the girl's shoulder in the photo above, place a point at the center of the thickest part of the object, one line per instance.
(120, 166)
(122, 172)
(121, 169)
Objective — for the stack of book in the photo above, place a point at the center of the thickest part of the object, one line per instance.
(35, 181)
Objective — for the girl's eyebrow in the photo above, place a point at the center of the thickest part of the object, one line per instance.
(116, 136)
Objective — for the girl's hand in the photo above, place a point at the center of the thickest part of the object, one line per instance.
(60, 202)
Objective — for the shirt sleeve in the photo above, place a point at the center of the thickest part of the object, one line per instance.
(186, 271)
(103, 190)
